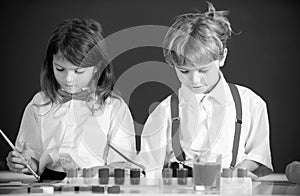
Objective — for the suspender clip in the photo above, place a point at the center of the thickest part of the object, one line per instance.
(181, 164)
(238, 121)
(176, 118)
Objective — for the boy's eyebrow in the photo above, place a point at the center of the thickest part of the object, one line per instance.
(182, 68)
(198, 68)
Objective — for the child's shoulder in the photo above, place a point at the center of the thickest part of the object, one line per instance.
(162, 108)
(40, 98)
(115, 101)
(248, 94)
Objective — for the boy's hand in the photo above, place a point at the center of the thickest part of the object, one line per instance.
(16, 161)
(250, 166)
(249, 174)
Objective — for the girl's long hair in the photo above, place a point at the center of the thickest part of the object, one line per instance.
(80, 41)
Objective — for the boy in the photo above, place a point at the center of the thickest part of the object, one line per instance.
(195, 46)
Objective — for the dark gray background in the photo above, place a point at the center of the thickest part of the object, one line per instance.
(263, 57)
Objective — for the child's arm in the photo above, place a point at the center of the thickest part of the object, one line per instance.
(28, 141)
(121, 133)
(257, 147)
(154, 140)
(250, 166)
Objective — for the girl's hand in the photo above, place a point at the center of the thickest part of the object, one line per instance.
(16, 161)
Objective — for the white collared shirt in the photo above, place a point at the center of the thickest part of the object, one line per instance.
(156, 144)
(70, 128)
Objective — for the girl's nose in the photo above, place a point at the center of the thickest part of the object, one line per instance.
(70, 77)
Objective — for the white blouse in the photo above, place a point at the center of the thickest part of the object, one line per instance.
(70, 128)
(156, 144)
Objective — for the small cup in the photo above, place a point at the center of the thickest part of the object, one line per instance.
(87, 175)
(72, 175)
(226, 173)
(182, 174)
(167, 174)
(103, 174)
(119, 176)
(242, 173)
(135, 176)
(207, 172)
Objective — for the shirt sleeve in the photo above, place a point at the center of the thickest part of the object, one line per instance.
(154, 141)
(121, 133)
(30, 132)
(257, 145)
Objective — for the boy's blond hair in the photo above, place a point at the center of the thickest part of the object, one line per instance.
(197, 36)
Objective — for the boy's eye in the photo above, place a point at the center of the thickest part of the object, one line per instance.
(184, 71)
(202, 71)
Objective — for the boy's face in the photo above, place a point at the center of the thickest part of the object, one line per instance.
(70, 77)
(199, 77)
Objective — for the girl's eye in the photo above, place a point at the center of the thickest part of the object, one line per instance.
(59, 69)
(79, 71)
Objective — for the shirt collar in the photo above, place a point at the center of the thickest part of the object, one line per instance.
(217, 93)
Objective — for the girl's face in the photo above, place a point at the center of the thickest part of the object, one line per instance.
(70, 77)
(200, 77)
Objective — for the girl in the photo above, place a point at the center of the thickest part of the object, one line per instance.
(76, 114)
(195, 46)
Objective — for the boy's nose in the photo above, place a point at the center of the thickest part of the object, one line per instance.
(196, 77)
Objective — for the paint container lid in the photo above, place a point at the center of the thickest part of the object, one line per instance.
(85, 188)
(226, 173)
(87, 172)
(242, 173)
(182, 173)
(103, 173)
(113, 189)
(36, 190)
(119, 173)
(135, 172)
(72, 173)
(67, 188)
(98, 189)
(167, 172)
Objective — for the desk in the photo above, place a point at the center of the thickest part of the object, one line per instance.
(274, 184)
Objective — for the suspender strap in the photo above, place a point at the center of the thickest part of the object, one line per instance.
(177, 149)
(238, 122)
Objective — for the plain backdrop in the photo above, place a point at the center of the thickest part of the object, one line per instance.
(264, 56)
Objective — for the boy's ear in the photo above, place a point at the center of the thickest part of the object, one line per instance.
(222, 61)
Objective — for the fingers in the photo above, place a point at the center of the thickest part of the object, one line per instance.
(249, 174)
(253, 176)
(15, 161)
(288, 170)
(26, 151)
